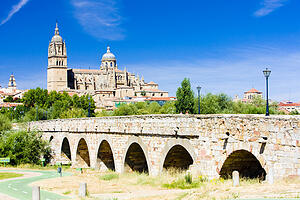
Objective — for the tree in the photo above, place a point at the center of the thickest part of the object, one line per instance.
(185, 98)
(36, 97)
(24, 147)
(8, 99)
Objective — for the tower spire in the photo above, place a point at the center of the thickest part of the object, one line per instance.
(56, 29)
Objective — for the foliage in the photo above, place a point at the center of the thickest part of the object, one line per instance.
(188, 178)
(24, 147)
(8, 99)
(294, 112)
(41, 105)
(141, 108)
(5, 123)
(181, 183)
(185, 98)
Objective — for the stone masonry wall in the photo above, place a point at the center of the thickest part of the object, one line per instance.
(209, 139)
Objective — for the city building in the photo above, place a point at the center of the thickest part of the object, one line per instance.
(107, 84)
(11, 91)
(249, 96)
(288, 107)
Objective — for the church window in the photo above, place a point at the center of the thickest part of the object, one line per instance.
(161, 94)
(56, 62)
(111, 64)
(62, 62)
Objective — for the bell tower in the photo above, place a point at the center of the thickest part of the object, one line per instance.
(57, 63)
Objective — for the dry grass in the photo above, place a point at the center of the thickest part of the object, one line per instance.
(143, 187)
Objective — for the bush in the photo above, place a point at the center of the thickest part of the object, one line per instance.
(24, 147)
(5, 123)
(188, 178)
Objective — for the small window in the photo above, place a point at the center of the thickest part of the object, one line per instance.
(111, 64)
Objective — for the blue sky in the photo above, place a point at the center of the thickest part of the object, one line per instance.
(221, 45)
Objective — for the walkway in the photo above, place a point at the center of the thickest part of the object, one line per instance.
(19, 188)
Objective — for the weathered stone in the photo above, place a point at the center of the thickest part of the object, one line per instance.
(36, 193)
(82, 190)
(146, 142)
(235, 178)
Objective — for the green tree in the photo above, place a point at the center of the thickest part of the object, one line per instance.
(9, 99)
(185, 98)
(24, 147)
(168, 108)
(36, 97)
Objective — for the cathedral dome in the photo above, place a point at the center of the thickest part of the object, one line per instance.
(108, 55)
(56, 38)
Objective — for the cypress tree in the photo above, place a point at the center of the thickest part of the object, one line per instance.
(185, 98)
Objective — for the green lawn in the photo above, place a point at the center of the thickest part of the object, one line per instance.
(9, 175)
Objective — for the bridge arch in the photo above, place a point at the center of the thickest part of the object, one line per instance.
(136, 156)
(246, 163)
(65, 151)
(105, 156)
(82, 156)
(177, 154)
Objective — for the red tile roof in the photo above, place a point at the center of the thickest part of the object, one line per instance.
(162, 99)
(288, 104)
(253, 90)
(152, 83)
(9, 105)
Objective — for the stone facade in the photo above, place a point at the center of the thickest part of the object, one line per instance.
(212, 145)
(106, 85)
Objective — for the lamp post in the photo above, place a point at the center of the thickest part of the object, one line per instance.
(267, 73)
(198, 88)
(89, 112)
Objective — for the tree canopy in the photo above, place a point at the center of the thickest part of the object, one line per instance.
(185, 98)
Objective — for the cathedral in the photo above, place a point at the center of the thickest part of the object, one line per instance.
(108, 85)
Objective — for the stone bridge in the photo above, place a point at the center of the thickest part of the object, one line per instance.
(211, 145)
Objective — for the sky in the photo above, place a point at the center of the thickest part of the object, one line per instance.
(221, 45)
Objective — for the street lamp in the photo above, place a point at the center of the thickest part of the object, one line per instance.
(267, 73)
(198, 88)
(89, 112)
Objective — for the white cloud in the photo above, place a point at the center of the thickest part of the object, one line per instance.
(14, 10)
(269, 6)
(232, 76)
(100, 18)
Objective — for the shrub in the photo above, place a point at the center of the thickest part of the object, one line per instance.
(5, 123)
(188, 178)
(24, 147)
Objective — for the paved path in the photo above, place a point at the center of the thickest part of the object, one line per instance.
(18, 188)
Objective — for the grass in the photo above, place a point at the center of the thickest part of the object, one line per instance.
(9, 175)
(110, 176)
(67, 192)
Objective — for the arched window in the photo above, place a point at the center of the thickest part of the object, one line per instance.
(111, 64)
(57, 62)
